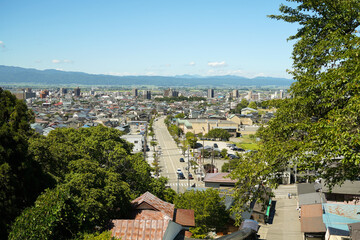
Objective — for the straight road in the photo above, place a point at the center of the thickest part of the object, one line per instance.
(170, 157)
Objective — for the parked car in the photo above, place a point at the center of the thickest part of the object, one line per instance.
(233, 156)
(215, 145)
(178, 171)
(238, 149)
(182, 160)
(230, 145)
(190, 176)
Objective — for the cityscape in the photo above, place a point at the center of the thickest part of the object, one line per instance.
(180, 120)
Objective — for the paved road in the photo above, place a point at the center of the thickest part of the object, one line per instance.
(286, 224)
(169, 159)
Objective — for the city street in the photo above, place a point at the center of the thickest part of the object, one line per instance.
(170, 158)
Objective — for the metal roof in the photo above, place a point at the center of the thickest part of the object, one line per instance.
(340, 215)
(139, 229)
(218, 177)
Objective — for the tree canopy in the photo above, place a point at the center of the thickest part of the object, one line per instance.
(21, 178)
(218, 133)
(97, 176)
(318, 127)
(209, 209)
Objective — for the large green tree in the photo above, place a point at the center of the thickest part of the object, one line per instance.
(83, 203)
(209, 210)
(219, 133)
(318, 127)
(21, 178)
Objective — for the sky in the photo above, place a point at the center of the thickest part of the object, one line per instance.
(147, 37)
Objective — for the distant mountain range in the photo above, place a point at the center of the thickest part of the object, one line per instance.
(26, 76)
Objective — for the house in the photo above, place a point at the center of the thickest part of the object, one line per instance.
(155, 219)
(312, 225)
(218, 180)
(348, 191)
(137, 140)
(203, 126)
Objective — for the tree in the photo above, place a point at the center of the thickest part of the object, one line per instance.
(21, 178)
(153, 144)
(209, 208)
(243, 104)
(318, 127)
(252, 105)
(89, 197)
(180, 115)
(219, 133)
(191, 139)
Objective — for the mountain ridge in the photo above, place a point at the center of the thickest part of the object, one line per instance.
(19, 75)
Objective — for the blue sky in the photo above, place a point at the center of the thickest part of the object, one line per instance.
(147, 37)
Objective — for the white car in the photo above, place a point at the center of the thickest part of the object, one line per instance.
(178, 171)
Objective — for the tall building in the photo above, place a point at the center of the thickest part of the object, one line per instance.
(235, 93)
(135, 92)
(174, 93)
(211, 93)
(147, 94)
(77, 92)
(167, 92)
(63, 91)
(281, 95)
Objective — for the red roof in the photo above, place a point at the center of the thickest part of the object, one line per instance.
(139, 229)
(147, 201)
(185, 217)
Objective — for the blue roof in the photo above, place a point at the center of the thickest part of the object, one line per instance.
(339, 215)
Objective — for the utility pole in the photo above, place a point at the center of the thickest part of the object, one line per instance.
(178, 183)
(188, 167)
(212, 160)
(145, 141)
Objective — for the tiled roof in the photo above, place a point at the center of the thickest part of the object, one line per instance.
(139, 229)
(185, 217)
(218, 177)
(149, 201)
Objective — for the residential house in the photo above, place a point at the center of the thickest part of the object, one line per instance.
(155, 219)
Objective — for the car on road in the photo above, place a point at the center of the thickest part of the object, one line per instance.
(215, 145)
(182, 160)
(181, 175)
(178, 171)
(190, 176)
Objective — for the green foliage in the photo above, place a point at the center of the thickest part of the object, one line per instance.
(99, 175)
(89, 197)
(273, 103)
(243, 104)
(219, 134)
(209, 209)
(106, 235)
(191, 139)
(180, 115)
(224, 152)
(21, 178)
(252, 105)
(318, 128)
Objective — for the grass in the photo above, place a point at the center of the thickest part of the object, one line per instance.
(247, 143)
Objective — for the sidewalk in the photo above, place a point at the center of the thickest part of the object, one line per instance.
(286, 223)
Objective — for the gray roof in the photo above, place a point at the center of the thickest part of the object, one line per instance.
(347, 187)
(304, 188)
(311, 198)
